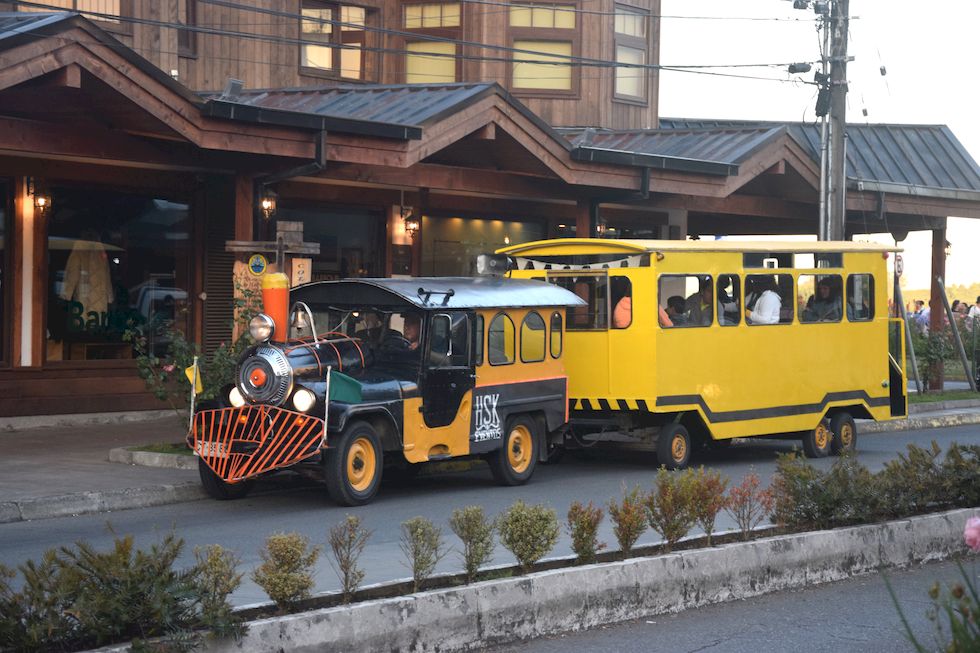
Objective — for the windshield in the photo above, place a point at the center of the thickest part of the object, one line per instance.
(391, 336)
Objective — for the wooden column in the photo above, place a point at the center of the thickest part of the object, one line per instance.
(583, 219)
(29, 263)
(937, 312)
(244, 207)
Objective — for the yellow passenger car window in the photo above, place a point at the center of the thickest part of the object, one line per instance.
(769, 299)
(532, 338)
(860, 297)
(594, 289)
(500, 344)
(729, 299)
(820, 298)
(555, 334)
(622, 302)
(687, 299)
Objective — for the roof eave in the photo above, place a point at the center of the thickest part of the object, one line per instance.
(911, 190)
(674, 163)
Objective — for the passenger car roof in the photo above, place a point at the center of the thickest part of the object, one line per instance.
(433, 293)
(565, 246)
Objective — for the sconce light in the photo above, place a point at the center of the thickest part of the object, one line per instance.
(411, 222)
(268, 200)
(601, 228)
(42, 200)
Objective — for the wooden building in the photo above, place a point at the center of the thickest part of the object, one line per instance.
(122, 181)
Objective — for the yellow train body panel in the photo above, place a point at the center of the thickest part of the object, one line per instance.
(743, 380)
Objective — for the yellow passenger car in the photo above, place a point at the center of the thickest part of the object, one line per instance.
(685, 343)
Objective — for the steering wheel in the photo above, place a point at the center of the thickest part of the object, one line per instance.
(396, 342)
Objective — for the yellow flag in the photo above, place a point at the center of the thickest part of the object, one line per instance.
(190, 373)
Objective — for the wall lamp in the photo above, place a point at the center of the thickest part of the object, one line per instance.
(42, 200)
(268, 202)
(412, 224)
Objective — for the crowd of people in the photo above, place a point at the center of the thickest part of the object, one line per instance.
(966, 315)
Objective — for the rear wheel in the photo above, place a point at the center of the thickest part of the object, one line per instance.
(353, 467)
(674, 446)
(514, 462)
(816, 443)
(217, 488)
(843, 433)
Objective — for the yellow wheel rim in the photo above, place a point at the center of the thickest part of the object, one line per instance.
(519, 448)
(821, 436)
(361, 464)
(678, 448)
(846, 436)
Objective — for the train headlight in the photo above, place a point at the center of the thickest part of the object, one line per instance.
(235, 397)
(303, 400)
(261, 327)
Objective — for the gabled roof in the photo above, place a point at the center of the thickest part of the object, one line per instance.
(925, 160)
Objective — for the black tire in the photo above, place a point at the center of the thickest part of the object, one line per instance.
(674, 446)
(816, 442)
(217, 488)
(844, 433)
(354, 466)
(514, 462)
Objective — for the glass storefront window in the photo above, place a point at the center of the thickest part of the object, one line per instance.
(351, 242)
(450, 245)
(4, 240)
(115, 261)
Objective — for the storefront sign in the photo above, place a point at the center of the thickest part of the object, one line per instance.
(257, 264)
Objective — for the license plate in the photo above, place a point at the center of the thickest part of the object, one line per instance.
(211, 449)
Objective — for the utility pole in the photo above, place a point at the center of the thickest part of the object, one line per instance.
(837, 173)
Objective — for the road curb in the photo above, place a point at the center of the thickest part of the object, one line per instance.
(152, 459)
(913, 423)
(576, 598)
(81, 503)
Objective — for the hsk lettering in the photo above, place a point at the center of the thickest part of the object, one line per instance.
(486, 420)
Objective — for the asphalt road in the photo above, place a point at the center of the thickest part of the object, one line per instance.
(243, 525)
(851, 616)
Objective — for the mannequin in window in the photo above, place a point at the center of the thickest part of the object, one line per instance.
(87, 278)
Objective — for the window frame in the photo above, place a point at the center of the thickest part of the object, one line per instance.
(817, 278)
(513, 360)
(544, 340)
(684, 275)
(551, 335)
(776, 272)
(455, 33)
(636, 43)
(601, 276)
(739, 299)
(871, 294)
(120, 26)
(551, 35)
(336, 39)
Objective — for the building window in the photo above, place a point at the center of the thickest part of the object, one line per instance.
(116, 261)
(334, 39)
(550, 33)
(187, 38)
(631, 48)
(106, 11)
(432, 62)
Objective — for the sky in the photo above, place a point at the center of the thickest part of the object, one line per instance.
(929, 50)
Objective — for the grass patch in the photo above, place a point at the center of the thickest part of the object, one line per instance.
(951, 395)
(179, 448)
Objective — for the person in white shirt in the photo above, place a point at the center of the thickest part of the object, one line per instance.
(974, 310)
(766, 310)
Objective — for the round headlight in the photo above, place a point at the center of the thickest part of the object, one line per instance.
(261, 327)
(304, 400)
(235, 398)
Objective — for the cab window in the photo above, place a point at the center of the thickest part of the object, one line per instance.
(532, 338)
(860, 297)
(500, 340)
(449, 341)
(478, 341)
(819, 297)
(686, 300)
(556, 334)
(769, 299)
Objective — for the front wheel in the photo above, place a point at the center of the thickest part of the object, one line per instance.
(514, 462)
(843, 433)
(674, 446)
(816, 442)
(353, 467)
(218, 488)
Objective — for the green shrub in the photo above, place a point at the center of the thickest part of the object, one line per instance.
(912, 483)
(347, 541)
(286, 572)
(583, 526)
(707, 498)
(217, 577)
(669, 509)
(629, 519)
(748, 504)
(470, 524)
(796, 493)
(529, 532)
(422, 544)
(36, 618)
(960, 473)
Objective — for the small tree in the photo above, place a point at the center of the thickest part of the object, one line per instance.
(422, 544)
(707, 499)
(347, 540)
(286, 572)
(217, 576)
(470, 524)
(669, 506)
(748, 505)
(529, 532)
(629, 519)
(583, 526)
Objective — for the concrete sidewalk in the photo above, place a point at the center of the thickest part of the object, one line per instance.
(64, 470)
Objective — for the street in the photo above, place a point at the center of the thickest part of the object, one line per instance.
(243, 525)
(853, 615)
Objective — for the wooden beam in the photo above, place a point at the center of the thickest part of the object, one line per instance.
(937, 310)
(244, 207)
(486, 133)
